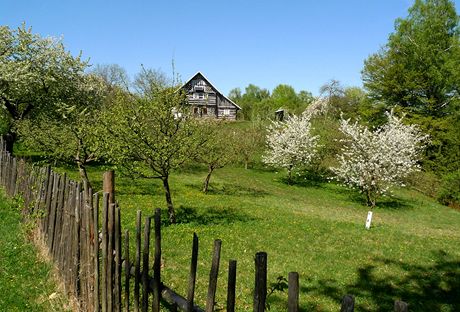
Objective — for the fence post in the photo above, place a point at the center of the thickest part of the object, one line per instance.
(127, 270)
(145, 266)
(108, 185)
(348, 304)
(213, 276)
(96, 251)
(293, 292)
(260, 292)
(231, 286)
(192, 277)
(137, 261)
(157, 263)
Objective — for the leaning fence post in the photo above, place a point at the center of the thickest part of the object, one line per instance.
(348, 304)
(293, 292)
(192, 278)
(260, 292)
(213, 276)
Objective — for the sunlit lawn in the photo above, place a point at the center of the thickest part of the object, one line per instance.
(411, 253)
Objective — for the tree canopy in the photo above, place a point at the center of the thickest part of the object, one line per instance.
(419, 68)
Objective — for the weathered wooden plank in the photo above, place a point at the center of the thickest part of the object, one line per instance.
(174, 299)
(157, 263)
(293, 292)
(192, 277)
(110, 258)
(260, 291)
(117, 259)
(96, 252)
(145, 266)
(348, 304)
(231, 286)
(137, 261)
(127, 270)
(105, 221)
(213, 274)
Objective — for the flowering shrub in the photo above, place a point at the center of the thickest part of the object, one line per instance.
(290, 143)
(373, 161)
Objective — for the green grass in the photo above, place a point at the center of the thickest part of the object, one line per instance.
(25, 280)
(411, 253)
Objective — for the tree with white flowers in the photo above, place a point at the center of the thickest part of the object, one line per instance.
(290, 143)
(374, 161)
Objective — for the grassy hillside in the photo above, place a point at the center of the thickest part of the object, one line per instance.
(411, 253)
(25, 280)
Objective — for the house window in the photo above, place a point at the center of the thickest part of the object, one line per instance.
(226, 112)
(204, 111)
(201, 95)
(196, 110)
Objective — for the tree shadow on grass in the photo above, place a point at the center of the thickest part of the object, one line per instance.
(230, 189)
(434, 287)
(209, 216)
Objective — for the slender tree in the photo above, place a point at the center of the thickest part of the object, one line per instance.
(150, 135)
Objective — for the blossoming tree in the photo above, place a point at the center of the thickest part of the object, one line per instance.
(290, 143)
(374, 161)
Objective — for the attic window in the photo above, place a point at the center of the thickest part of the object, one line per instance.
(199, 88)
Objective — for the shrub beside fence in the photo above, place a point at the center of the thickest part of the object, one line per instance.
(92, 259)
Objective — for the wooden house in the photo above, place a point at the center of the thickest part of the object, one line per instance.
(206, 101)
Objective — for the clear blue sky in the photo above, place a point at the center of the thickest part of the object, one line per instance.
(234, 43)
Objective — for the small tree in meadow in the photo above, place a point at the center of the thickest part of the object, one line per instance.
(290, 143)
(150, 135)
(218, 150)
(374, 161)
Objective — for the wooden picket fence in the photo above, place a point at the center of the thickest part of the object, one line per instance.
(91, 259)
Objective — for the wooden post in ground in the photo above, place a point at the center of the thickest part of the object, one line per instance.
(145, 266)
(348, 304)
(108, 185)
(127, 271)
(293, 292)
(137, 261)
(231, 286)
(192, 277)
(96, 252)
(260, 292)
(157, 263)
(213, 276)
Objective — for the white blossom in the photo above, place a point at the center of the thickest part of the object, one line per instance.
(290, 143)
(373, 161)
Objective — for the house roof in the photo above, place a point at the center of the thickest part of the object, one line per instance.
(209, 82)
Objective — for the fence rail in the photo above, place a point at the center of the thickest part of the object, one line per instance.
(92, 258)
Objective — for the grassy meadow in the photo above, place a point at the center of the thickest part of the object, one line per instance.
(411, 253)
(26, 282)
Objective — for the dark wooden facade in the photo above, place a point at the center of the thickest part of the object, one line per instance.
(206, 101)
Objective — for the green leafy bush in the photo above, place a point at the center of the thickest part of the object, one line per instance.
(449, 192)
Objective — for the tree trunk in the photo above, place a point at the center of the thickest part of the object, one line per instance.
(208, 177)
(171, 212)
(9, 138)
(370, 199)
(290, 175)
(84, 175)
